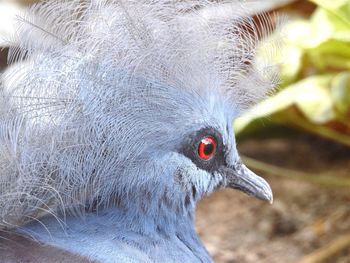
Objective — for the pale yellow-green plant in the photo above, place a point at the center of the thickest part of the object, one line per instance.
(315, 76)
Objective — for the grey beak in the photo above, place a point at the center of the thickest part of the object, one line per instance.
(241, 178)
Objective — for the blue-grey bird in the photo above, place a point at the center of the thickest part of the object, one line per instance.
(116, 119)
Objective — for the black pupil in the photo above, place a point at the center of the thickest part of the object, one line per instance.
(208, 149)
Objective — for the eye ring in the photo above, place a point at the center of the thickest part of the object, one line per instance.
(207, 148)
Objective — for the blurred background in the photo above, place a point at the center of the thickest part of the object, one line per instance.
(298, 139)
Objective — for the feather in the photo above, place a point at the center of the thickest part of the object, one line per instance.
(96, 85)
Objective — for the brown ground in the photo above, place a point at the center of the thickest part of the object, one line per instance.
(303, 217)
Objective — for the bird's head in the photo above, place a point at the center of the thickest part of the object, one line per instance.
(134, 103)
(189, 150)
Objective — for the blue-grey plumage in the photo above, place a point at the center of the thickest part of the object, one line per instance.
(118, 118)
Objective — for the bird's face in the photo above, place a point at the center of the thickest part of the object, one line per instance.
(206, 158)
(184, 147)
(210, 161)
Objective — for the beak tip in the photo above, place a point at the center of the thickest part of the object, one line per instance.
(268, 194)
(245, 180)
(264, 192)
(271, 200)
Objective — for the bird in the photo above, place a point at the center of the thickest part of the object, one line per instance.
(116, 119)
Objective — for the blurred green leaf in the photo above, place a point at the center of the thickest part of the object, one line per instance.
(313, 99)
(338, 10)
(340, 90)
(303, 34)
(292, 67)
(334, 4)
(332, 24)
(315, 91)
(311, 96)
(331, 54)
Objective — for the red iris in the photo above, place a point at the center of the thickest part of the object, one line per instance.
(207, 148)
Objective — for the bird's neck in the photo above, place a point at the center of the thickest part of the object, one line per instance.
(153, 213)
(157, 230)
(161, 236)
(157, 238)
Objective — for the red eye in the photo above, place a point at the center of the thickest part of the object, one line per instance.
(207, 148)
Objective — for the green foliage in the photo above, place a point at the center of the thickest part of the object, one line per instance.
(315, 75)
